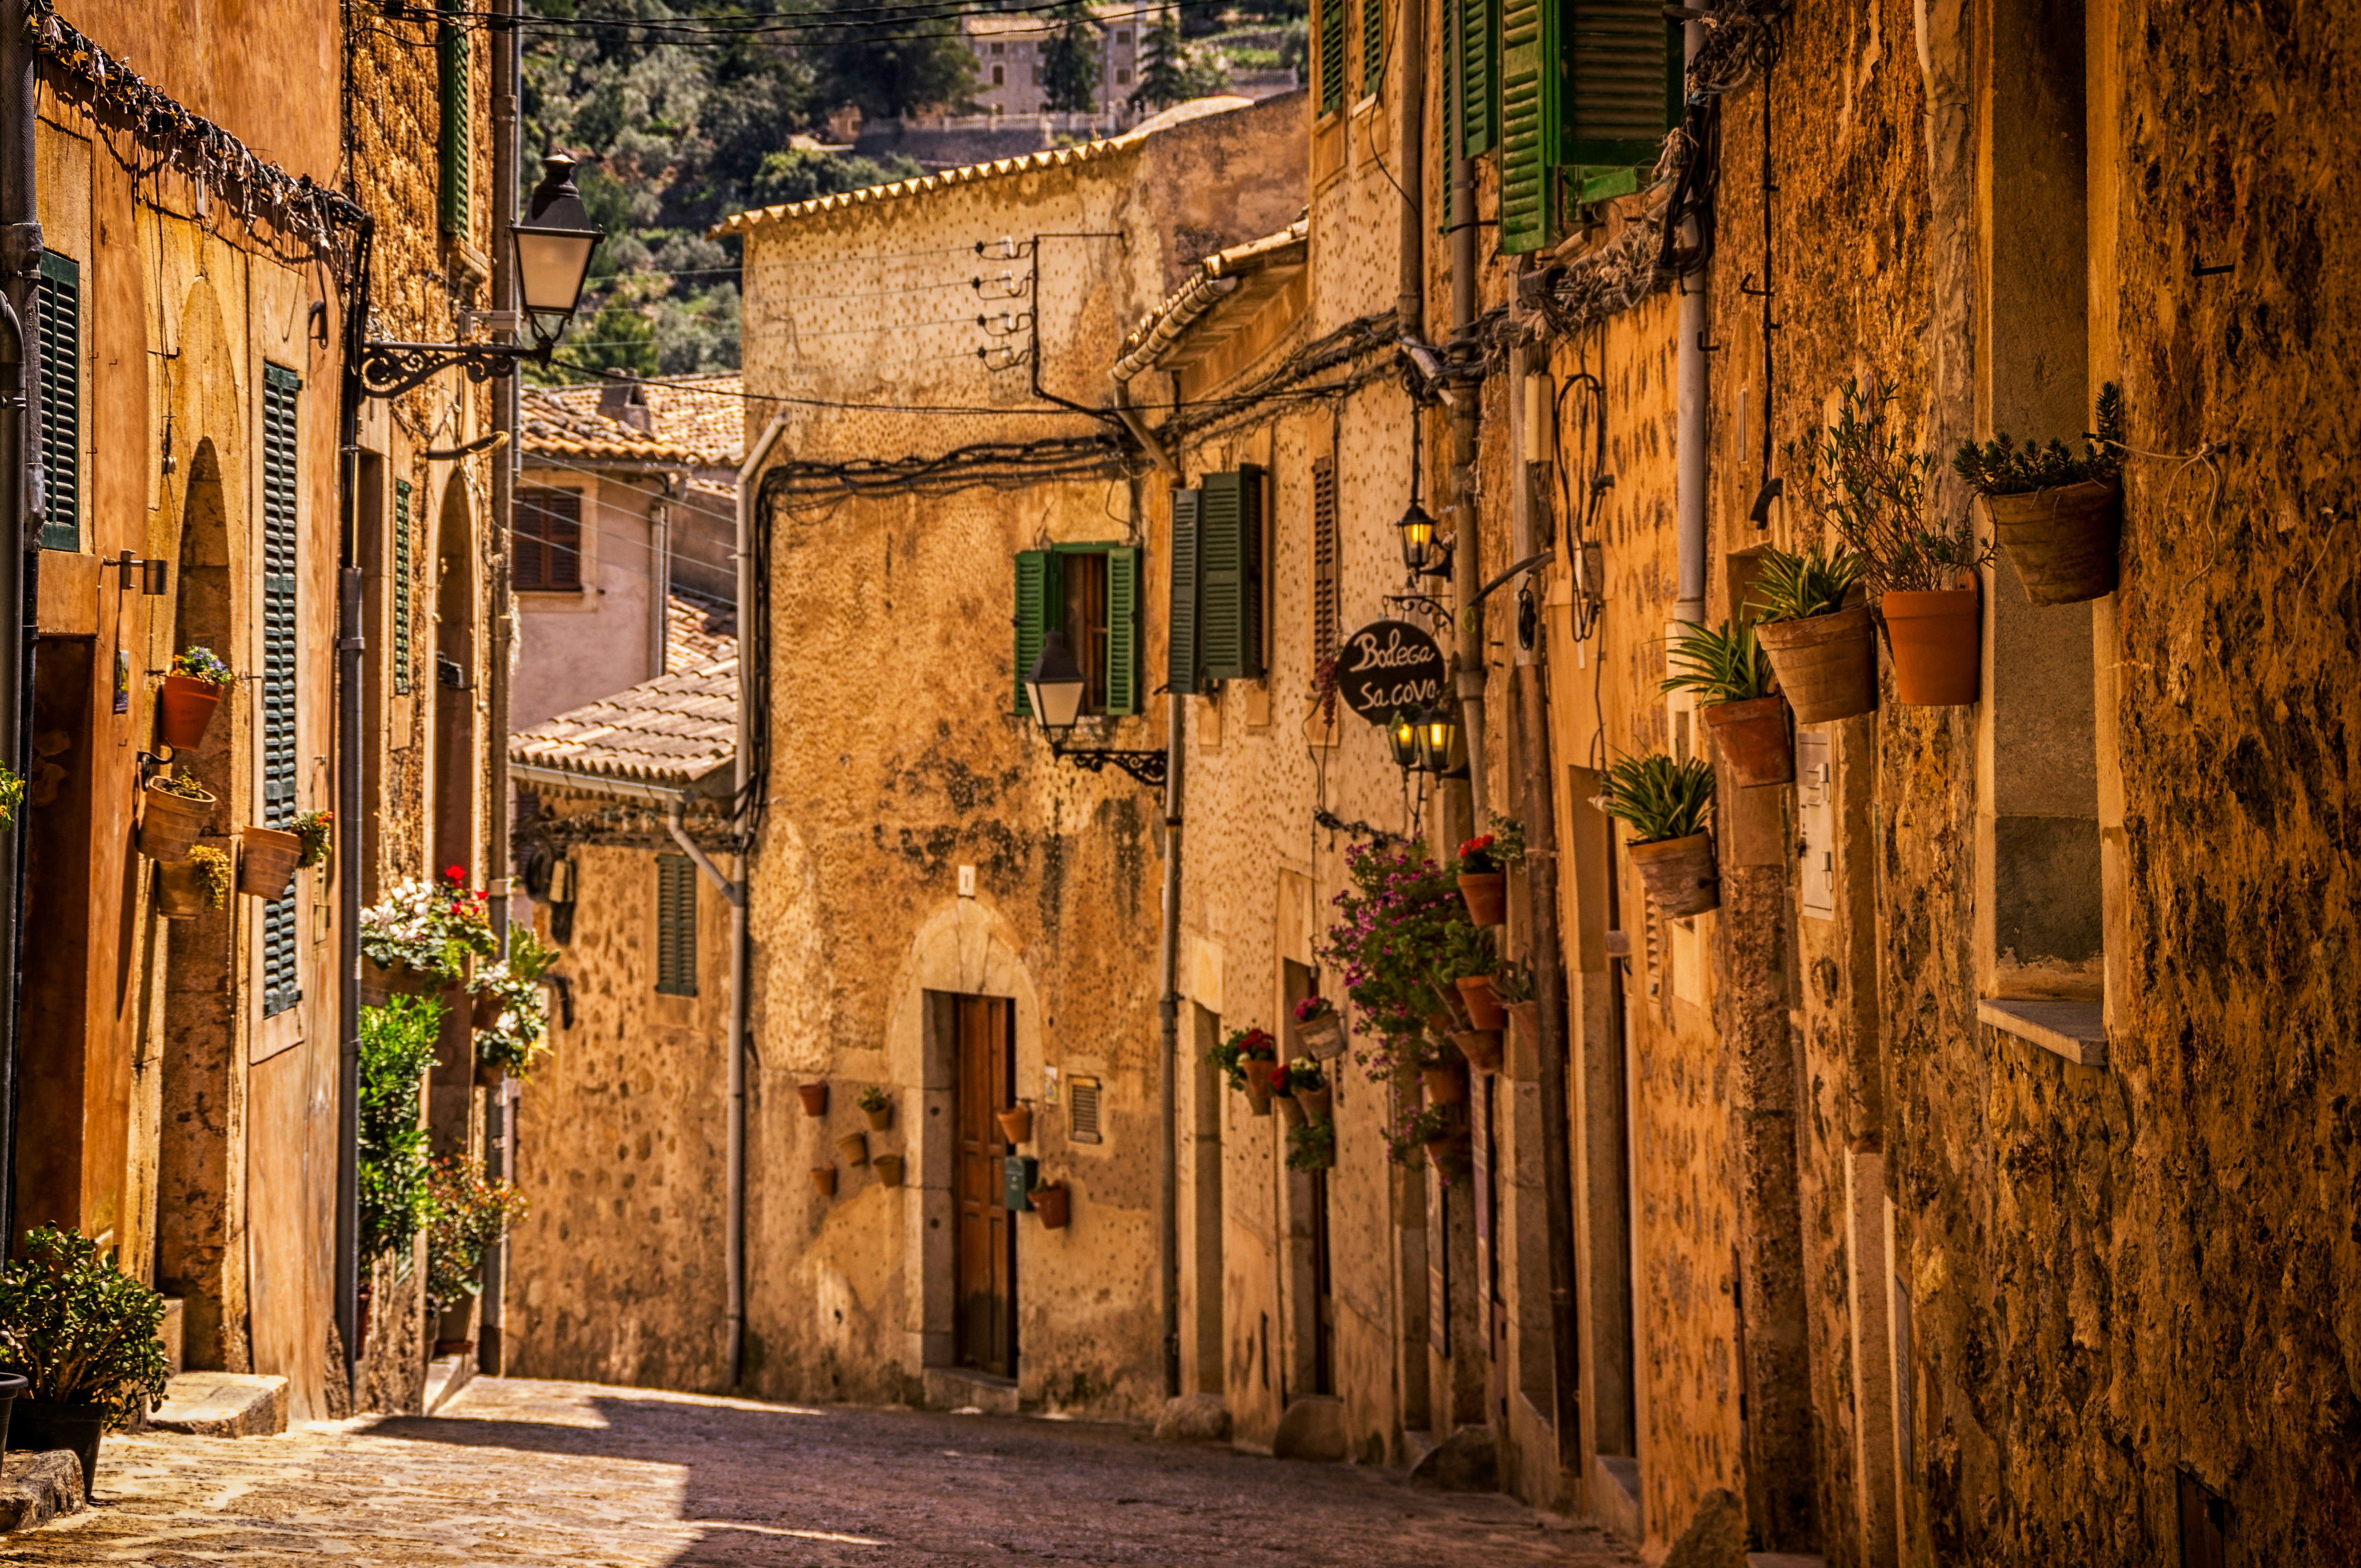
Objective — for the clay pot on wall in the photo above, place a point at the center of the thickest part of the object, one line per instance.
(1938, 641)
(1054, 1204)
(854, 1148)
(888, 1168)
(1753, 739)
(1827, 664)
(183, 710)
(1290, 1110)
(1445, 1085)
(169, 824)
(1258, 1073)
(1319, 1104)
(1483, 1007)
(182, 891)
(1525, 1018)
(266, 861)
(1480, 1046)
(1016, 1123)
(824, 1180)
(815, 1098)
(1679, 874)
(1324, 1036)
(880, 1119)
(1485, 893)
(2062, 541)
(381, 980)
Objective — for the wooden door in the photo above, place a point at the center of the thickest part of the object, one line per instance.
(1324, 1292)
(986, 1327)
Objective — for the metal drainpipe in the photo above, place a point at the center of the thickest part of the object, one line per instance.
(351, 639)
(1167, 1020)
(740, 954)
(1466, 576)
(20, 254)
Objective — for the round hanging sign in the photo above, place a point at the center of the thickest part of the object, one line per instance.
(1390, 667)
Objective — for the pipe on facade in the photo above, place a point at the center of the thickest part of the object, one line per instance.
(740, 939)
(1132, 421)
(1466, 575)
(1410, 141)
(1167, 1026)
(675, 825)
(1690, 391)
(20, 254)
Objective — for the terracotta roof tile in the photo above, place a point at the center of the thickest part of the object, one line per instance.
(670, 732)
(698, 420)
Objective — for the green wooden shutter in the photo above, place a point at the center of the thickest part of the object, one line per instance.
(1036, 576)
(400, 587)
(58, 344)
(451, 61)
(1530, 126)
(1331, 64)
(1476, 48)
(1623, 86)
(282, 974)
(1229, 628)
(1122, 629)
(676, 926)
(1373, 46)
(1182, 604)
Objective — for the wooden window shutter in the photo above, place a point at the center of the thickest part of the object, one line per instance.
(400, 587)
(282, 532)
(1182, 607)
(452, 73)
(1477, 49)
(1530, 124)
(1123, 631)
(1331, 56)
(1373, 46)
(1036, 573)
(60, 346)
(545, 541)
(676, 926)
(1229, 624)
(1325, 613)
(1623, 87)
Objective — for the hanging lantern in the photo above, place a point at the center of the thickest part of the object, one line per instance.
(1437, 732)
(1401, 733)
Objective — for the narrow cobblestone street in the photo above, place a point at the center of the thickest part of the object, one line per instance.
(524, 1472)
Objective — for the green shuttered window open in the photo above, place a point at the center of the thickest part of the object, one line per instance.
(1229, 574)
(1090, 592)
(676, 926)
(1476, 26)
(458, 106)
(61, 399)
(1587, 87)
(400, 588)
(281, 389)
(1180, 618)
(1331, 64)
(1373, 46)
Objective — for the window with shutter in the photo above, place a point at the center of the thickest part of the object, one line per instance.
(1122, 629)
(1330, 65)
(545, 541)
(1090, 592)
(1229, 565)
(59, 342)
(1476, 51)
(1033, 570)
(451, 62)
(400, 587)
(1181, 663)
(1529, 122)
(1325, 610)
(1373, 47)
(676, 926)
(1623, 88)
(281, 975)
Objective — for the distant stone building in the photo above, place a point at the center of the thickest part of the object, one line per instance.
(1011, 58)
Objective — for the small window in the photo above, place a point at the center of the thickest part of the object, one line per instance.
(1123, 35)
(999, 49)
(999, 72)
(1082, 1109)
(676, 926)
(59, 375)
(545, 541)
(1090, 592)
(1123, 74)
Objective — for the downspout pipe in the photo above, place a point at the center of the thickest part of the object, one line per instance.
(1690, 391)
(351, 640)
(740, 939)
(1167, 1028)
(1467, 574)
(20, 255)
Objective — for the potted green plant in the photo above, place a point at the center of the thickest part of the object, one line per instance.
(1665, 804)
(472, 1213)
(397, 1047)
(878, 1106)
(193, 687)
(2059, 516)
(1513, 989)
(313, 828)
(1054, 1204)
(1320, 1026)
(1819, 642)
(1872, 487)
(424, 936)
(1313, 1147)
(267, 859)
(198, 883)
(1482, 883)
(1730, 676)
(173, 809)
(1247, 1058)
(1310, 1088)
(82, 1335)
(12, 797)
(510, 1014)
(1469, 961)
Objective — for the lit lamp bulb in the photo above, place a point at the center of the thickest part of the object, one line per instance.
(1417, 537)
(1401, 732)
(1436, 731)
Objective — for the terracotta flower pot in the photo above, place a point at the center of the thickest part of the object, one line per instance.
(854, 1148)
(824, 1180)
(2063, 540)
(1324, 1036)
(1485, 893)
(1480, 1046)
(1937, 639)
(1290, 1110)
(1525, 1018)
(1827, 664)
(1483, 1007)
(266, 861)
(1445, 1154)
(1445, 1085)
(182, 891)
(169, 824)
(1753, 739)
(888, 1168)
(1319, 1104)
(1016, 1123)
(1054, 1204)
(1679, 874)
(879, 1119)
(183, 708)
(815, 1098)
(44, 1425)
(1258, 1073)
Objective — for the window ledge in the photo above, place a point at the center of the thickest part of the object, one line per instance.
(2075, 1030)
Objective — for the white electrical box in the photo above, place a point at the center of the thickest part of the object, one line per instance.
(1816, 809)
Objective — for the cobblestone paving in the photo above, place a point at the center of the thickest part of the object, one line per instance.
(515, 1473)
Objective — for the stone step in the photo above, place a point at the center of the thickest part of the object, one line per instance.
(223, 1403)
(957, 1388)
(37, 1488)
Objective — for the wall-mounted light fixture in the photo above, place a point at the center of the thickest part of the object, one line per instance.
(1054, 687)
(1438, 731)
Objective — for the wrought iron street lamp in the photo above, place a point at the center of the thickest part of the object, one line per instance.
(554, 241)
(1437, 732)
(1401, 734)
(1054, 688)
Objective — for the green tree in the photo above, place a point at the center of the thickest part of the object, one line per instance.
(1071, 67)
(802, 173)
(1163, 78)
(926, 66)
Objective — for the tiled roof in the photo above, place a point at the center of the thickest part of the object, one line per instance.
(1277, 256)
(698, 420)
(668, 733)
(696, 632)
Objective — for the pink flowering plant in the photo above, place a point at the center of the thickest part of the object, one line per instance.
(433, 927)
(1392, 943)
(1312, 1007)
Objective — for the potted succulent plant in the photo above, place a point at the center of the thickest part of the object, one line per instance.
(193, 687)
(1482, 883)
(198, 883)
(1731, 675)
(1820, 645)
(1512, 988)
(173, 813)
(1320, 1026)
(1665, 804)
(1872, 487)
(1017, 1121)
(82, 1335)
(2059, 515)
(813, 1097)
(877, 1106)
(1054, 1204)
(1313, 1147)
(266, 861)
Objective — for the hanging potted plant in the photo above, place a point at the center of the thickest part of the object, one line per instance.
(173, 809)
(1665, 804)
(2059, 515)
(198, 883)
(1320, 1026)
(888, 1168)
(1313, 1147)
(1513, 989)
(1821, 647)
(813, 1097)
(1483, 885)
(266, 861)
(193, 687)
(1247, 1058)
(1731, 679)
(1470, 964)
(84, 1336)
(877, 1106)
(1054, 1204)
(823, 1180)
(422, 937)
(312, 828)
(1443, 1073)
(854, 1148)
(515, 1036)
(1873, 489)
(1283, 1090)
(1017, 1121)
(1314, 1095)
